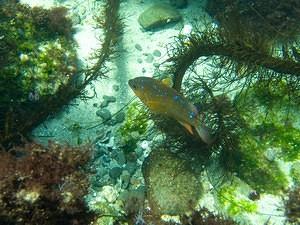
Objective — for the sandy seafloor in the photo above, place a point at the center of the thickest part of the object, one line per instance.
(83, 113)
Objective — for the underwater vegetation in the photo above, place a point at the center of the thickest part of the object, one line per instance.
(39, 57)
(44, 185)
(249, 73)
(134, 126)
(269, 18)
(292, 206)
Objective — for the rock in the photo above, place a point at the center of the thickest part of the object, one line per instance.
(104, 104)
(156, 65)
(130, 167)
(119, 156)
(115, 172)
(138, 47)
(157, 16)
(173, 187)
(105, 114)
(120, 117)
(156, 53)
(109, 193)
(116, 87)
(179, 3)
(125, 178)
(149, 58)
(109, 98)
(139, 60)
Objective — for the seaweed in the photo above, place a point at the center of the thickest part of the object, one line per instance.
(19, 114)
(292, 206)
(42, 185)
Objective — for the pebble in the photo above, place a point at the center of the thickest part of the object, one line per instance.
(115, 172)
(116, 87)
(139, 60)
(156, 64)
(120, 117)
(149, 58)
(119, 156)
(104, 104)
(109, 98)
(130, 167)
(156, 53)
(125, 178)
(138, 47)
(109, 193)
(143, 70)
(105, 114)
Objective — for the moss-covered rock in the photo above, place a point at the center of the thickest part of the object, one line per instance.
(173, 186)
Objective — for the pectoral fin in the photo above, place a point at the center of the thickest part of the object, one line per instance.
(205, 134)
(188, 127)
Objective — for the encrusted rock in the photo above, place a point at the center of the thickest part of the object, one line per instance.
(173, 187)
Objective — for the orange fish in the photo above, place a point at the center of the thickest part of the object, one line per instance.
(162, 99)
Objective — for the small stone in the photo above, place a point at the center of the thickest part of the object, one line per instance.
(139, 60)
(130, 167)
(109, 193)
(120, 117)
(104, 104)
(156, 53)
(119, 156)
(156, 64)
(115, 172)
(143, 70)
(109, 98)
(125, 178)
(105, 114)
(149, 58)
(95, 105)
(116, 87)
(157, 16)
(138, 47)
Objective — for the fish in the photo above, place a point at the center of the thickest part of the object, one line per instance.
(164, 100)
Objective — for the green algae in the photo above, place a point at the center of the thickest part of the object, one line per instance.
(34, 60)
(233, 203)
(255, 169)
(134, 126)
(295, 173)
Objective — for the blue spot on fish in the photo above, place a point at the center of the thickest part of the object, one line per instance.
(192, 115)
(176, 97)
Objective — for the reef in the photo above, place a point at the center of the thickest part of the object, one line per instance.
(40, 67)
(44, 185)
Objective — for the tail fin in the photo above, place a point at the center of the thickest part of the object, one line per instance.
(205, 134)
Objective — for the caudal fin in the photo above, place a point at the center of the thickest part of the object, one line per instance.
(205, 134)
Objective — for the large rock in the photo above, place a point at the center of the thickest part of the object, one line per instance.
(157, 16)
(172, 186)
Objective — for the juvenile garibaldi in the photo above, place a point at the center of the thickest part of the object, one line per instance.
(162, 99)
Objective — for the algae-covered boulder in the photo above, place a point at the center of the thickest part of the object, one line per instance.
(157, 16)
(172, 186)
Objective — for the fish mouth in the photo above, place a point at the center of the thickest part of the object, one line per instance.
(132, 84)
